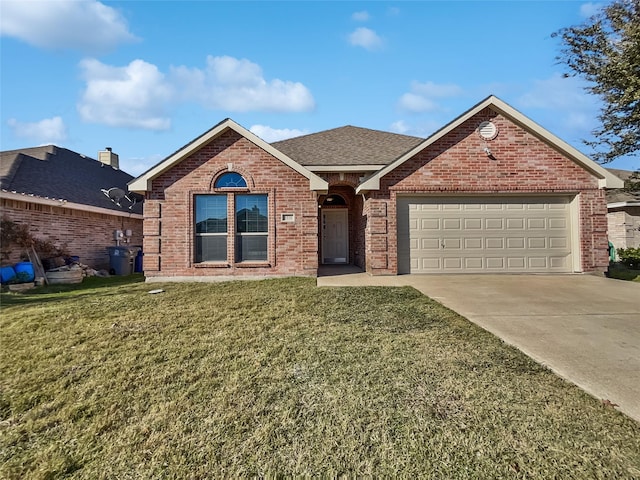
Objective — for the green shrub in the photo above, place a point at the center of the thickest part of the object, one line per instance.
(630, 257)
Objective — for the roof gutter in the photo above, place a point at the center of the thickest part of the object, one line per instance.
(53, 202)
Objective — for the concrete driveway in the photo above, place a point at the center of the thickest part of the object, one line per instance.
(585, 328)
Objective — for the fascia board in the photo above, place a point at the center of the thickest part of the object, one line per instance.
(25, 197)
(624, 204)
(344, 168)
(143, 182)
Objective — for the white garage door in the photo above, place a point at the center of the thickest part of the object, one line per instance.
(484, 234)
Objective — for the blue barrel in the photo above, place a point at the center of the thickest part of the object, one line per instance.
(25, 268)
(138, 262)
(8, 274)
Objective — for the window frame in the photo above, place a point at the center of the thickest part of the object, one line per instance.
(197, 234)
(232, 235)
(238, 235)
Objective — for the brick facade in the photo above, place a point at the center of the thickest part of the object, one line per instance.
(86, 234)
(624, 227)
(457, 164)
(519, 163)
(169, 217)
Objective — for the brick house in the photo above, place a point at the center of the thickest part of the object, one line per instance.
(489, 192)
(62, 196)
(623, 214)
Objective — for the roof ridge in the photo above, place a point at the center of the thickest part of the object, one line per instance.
(343, 127)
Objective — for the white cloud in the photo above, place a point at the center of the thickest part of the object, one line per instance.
(365, 38)
(362, 16)
(269, 134)
(556, 92)
(399, 127)
(227, 83)
(590, 9)
(137, 165)
(412, 102)
(88, 25)
(48, 130)
(563, 106)
(139, 95)
(423, 129)
(132, 96)
(423, 96)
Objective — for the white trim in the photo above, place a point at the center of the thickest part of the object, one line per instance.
(605, 178)
(25, 197)
(143, 182)
(345, 168)
(631, 203)
(576, 244)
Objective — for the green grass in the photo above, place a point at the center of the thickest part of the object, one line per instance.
(278, 377)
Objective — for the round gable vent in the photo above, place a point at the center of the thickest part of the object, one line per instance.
(488, 130)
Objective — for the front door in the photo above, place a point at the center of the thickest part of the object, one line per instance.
(335, 236)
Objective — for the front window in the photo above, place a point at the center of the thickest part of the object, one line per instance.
(252, 227)
(211, 228)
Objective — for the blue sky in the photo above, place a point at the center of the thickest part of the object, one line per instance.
(146, 77)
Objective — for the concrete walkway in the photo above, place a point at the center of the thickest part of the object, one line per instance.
(585, 328)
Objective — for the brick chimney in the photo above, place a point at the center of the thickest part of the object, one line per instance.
(107, 157)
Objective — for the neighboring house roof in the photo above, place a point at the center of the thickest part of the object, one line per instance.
(143, 182)
(347, 146)
(55, 173)
(619, 198)
(606, 179)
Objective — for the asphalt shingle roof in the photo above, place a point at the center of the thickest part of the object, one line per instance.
(57, 173)
(347, 146)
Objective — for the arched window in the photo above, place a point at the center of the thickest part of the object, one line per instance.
(333, 200)
(230, 180)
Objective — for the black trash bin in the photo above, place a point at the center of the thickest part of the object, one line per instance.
(121, 259)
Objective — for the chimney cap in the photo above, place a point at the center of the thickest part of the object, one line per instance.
(108, 149)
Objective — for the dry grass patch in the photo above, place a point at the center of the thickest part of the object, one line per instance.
(280, 377)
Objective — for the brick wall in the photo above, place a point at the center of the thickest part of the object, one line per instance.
(86, 234)
(169, 229)
(457, 163)
(624, 227)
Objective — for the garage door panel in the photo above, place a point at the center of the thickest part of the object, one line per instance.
(430, 224)
(557, 223)
(429, 244)
(515, 223)
(515, 242)
(478, 234)
(473, 263)
(494, 243)
(472, 223)
(536, 223)
(516, 262)
(537, 242)
(558, 242)
(494, 223)
(473, 243)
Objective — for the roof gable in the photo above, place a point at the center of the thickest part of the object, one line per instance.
(52, 172)
(143, 182)
(606, 179)
(347, 146)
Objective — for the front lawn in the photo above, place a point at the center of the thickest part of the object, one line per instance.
(271, 377)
